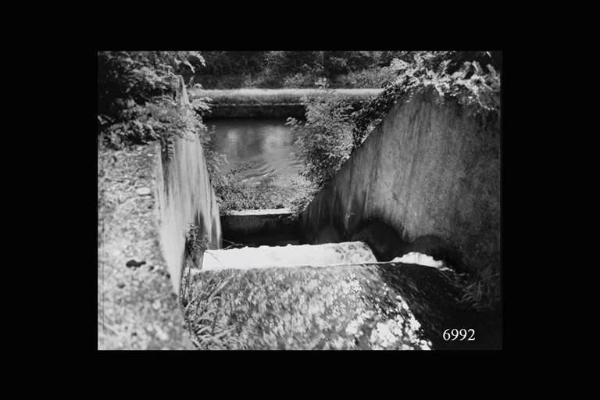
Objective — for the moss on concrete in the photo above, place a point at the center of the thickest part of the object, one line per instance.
(370, 306)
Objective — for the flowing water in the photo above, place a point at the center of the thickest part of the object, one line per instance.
(265, 146)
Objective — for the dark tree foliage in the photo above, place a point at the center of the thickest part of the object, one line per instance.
(273, 69)
(230, 62)
(230, 69)
(343, 62)
(282, 62)
(138, 76)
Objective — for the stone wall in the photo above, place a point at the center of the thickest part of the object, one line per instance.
(429, 169)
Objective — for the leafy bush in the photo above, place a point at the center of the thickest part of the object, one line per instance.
(302, 200)
(231, 62)
(299, 80)
(271, 69)
(343, 62)
(156, 120)
(446, 73)
(324, 139)
(263, 79)
(367, 78)
(274, 69)
(136, 96)
(291, 62)
(480, 290)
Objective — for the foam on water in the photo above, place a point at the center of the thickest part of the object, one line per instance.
(421, 259)
(288, 256)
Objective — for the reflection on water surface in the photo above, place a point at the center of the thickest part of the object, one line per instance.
(265, 145)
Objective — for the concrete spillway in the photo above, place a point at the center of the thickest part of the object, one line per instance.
(288, 256)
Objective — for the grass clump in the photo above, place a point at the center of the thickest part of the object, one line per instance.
(234, 193)
(483, 292)
(480, 291)
(204, 302)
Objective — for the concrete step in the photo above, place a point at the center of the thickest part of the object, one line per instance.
(288, 256)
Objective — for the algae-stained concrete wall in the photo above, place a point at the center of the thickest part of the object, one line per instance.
(429, 168)
(185, 196)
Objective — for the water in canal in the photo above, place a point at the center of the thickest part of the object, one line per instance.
(265, 146)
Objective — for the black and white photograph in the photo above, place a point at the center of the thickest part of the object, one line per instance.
(299, 200)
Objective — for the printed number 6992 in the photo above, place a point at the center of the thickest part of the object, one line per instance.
(459, 334)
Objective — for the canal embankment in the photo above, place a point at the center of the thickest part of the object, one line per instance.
(429, 169)
(271, 103)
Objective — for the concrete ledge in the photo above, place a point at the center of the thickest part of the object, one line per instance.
(273, 96)
(264, 211)
(288, 256)
(271, 103)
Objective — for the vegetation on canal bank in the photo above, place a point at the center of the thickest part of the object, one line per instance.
(324, 138)
(333, 129)
(470, 78)
(293, 69)
(137, 104)
(137, 96)
(305, 69)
